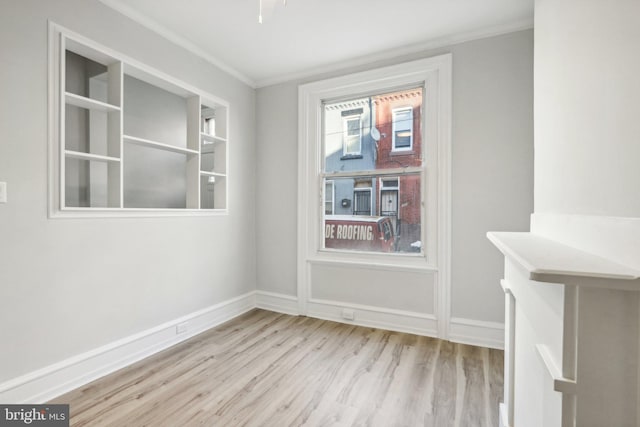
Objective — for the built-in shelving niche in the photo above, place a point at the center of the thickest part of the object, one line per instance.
(132, 139)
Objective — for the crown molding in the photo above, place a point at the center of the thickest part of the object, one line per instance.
(401, 53)
(121, 7)
(396, 53)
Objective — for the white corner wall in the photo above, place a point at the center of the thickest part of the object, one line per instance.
(586, 107)
(492, 177)
(69, 286)
(587, 131)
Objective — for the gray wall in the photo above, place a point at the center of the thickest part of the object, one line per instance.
(68, 286)
(492, 171)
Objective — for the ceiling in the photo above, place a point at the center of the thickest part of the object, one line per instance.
(306, 37)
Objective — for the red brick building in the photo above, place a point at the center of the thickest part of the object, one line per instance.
(398, 118)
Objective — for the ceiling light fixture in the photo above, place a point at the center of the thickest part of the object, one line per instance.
(284, 2)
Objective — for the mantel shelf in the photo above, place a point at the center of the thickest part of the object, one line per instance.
(159, 145)
(88, 103)
(543, 257)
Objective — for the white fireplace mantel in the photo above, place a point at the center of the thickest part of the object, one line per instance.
(571, 335)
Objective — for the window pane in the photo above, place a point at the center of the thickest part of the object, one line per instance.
(328, 198)
(403, 139)
(403, 119)
(352, 145)
(380, 131)
(375, 214)
(353, 127)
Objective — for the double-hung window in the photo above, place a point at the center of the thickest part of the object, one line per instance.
(377, 144)
(389, 226)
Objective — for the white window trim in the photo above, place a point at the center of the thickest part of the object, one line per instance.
(435, 73)
(393, 129)
(345, 130)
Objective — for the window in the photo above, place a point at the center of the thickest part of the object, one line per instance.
(362, 201)
(329, 199)
(402, 129)
(336, 256)
(403, 108)
(352, 137)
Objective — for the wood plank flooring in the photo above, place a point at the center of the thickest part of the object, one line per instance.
(270, 369)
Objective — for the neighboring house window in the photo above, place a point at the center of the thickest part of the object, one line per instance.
(352, 135)
(329, 198)
(402, 129)
(362, 201)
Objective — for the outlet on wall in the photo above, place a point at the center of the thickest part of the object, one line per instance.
(348, 314)
(181, 328)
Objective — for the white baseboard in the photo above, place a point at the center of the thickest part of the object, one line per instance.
(54, 380)
(49, 382)
(503, 416)
(477, 332)
(375, 317)
(280, 303)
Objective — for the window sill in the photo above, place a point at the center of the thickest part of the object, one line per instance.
(416, 262)
(351, 157)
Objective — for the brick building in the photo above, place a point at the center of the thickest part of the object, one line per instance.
(398, 118)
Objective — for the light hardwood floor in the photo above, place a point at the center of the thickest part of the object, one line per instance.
(270, 369)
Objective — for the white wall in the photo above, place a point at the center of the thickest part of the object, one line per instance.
(587, 143)
(68, 286)
(586, 107)
(492, 175)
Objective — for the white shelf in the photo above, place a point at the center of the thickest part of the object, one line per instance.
(158, 145)
(211, 138)
(205, 173)
(542, 257)
(88, 156)
(209, 149)
(88, 103)
(117, 79)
